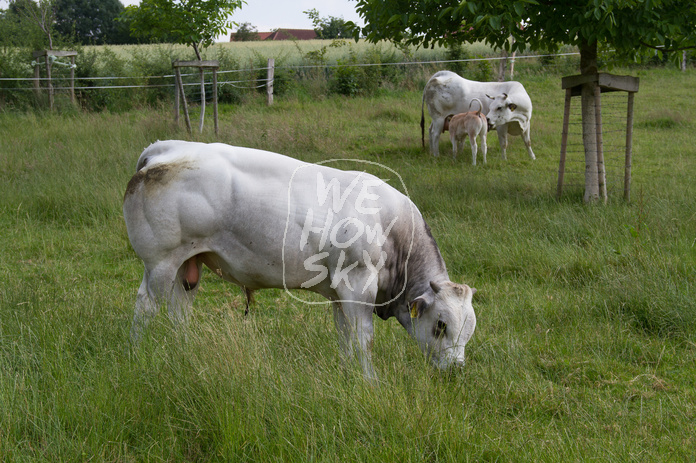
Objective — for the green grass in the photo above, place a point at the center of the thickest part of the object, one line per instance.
(585, 347)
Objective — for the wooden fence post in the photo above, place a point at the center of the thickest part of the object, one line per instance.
(629, 147)
(215, 101)
(564, 142)
(72, 79)
(599, 145)
(269, 80)
(180, 89)
(176, 97)
(37, 80)
(49, 83)
(202, 66)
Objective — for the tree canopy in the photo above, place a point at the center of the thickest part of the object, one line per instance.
(90, 21)
(246, 32)
(191, 22)
(628, 26)
(329, 27)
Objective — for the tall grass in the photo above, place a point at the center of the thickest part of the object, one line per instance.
(585, 346)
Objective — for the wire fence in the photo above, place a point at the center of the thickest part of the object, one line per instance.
(234, 80)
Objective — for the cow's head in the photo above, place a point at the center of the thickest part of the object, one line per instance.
(501, 110)
(445, 127)
(442, 321)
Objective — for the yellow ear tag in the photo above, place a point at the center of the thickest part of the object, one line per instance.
(414, 310)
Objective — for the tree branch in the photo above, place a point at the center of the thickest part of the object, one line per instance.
(668, 50)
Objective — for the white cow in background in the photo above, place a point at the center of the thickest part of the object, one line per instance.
(507, 107)
(264, 220)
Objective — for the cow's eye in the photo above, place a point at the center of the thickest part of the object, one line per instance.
(440, 329)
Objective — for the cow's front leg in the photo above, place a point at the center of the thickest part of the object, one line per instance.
(528, 143)
(356, 333)
(502, 138)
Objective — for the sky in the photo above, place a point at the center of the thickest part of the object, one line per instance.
(267, 15)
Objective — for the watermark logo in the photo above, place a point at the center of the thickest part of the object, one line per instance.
(338, 230)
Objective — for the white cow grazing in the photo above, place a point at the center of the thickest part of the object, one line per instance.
(506, 105)
(264, 220)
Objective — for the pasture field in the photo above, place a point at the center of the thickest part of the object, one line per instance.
(585, 348)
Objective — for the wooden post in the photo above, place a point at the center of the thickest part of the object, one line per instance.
(269, 80)
(601, 82)
(201, 65)
(601, 170)
(629, 148)
(564, 142)
(176, 97)
(215, 101)
(48, 56)
(72, 79)
(48, 81)
(180, 86)
(37, 80)
(201, 74)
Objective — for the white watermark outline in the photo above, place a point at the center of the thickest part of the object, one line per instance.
(410, 247)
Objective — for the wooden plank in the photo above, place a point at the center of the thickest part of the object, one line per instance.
(607, 82)
(197, 64)
(59, 53)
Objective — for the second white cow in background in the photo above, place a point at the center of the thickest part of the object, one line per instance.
(506, 105)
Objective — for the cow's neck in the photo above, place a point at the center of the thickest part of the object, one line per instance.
(411, 273)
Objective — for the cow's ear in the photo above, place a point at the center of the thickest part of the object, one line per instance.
(417, 307)
(490, 96)
(512, 106)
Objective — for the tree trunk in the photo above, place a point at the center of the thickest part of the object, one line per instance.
(588, 65)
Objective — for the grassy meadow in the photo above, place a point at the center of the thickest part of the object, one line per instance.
(585, 348)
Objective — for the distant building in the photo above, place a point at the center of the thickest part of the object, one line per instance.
(284, 34)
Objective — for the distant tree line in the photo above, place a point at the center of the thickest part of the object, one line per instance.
(86, 22)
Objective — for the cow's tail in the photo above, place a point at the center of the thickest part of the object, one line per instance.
(423, 121)
(478, 113)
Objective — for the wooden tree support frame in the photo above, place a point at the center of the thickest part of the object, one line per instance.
(602, 83)
(46, 55)
(179, 91)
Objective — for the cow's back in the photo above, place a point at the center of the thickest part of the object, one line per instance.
(448, 93)
(251, 207)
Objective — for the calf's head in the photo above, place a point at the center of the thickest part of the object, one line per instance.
(501, 110)
(442, 321)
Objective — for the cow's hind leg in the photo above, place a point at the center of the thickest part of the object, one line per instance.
(166, 283)
(436, 127)
(145, 309)
(474, 147)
